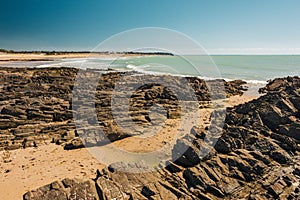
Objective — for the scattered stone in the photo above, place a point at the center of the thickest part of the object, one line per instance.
(74, 144)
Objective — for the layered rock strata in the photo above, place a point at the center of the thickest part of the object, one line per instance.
(257, 157)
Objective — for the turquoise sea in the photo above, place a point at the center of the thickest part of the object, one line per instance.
(249, 68)
(252, 68)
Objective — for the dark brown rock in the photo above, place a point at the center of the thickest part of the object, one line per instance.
(259, 138)
(74, 144)
(13, 111)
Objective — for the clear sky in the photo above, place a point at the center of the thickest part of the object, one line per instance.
(219, 25)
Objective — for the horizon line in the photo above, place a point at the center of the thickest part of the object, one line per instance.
(149, 53)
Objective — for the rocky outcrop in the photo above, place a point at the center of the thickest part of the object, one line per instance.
(36, 104)
(65, 189)
(257, 157)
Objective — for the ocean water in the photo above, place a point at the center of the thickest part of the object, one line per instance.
(248, 68)
(253, 69)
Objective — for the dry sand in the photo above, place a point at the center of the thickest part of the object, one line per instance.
(34, 57)
(17, 57)
(33, 167)
(236, 100)
(25, 169)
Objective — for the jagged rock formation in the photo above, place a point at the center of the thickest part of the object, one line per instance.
(257, 157)
(66, 189)
(36, 105)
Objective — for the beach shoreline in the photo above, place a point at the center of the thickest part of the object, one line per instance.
(55, 56)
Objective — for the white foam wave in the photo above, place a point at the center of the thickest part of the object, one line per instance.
(145, 69)
(258, 82)
(142, 69)
(131, 67)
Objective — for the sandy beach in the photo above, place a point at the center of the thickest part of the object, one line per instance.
(18, 57)
(23, 170)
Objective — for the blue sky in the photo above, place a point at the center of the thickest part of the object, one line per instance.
(219, 25)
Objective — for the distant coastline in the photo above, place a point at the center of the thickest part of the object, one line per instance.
(84, 52)
(19, 56)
